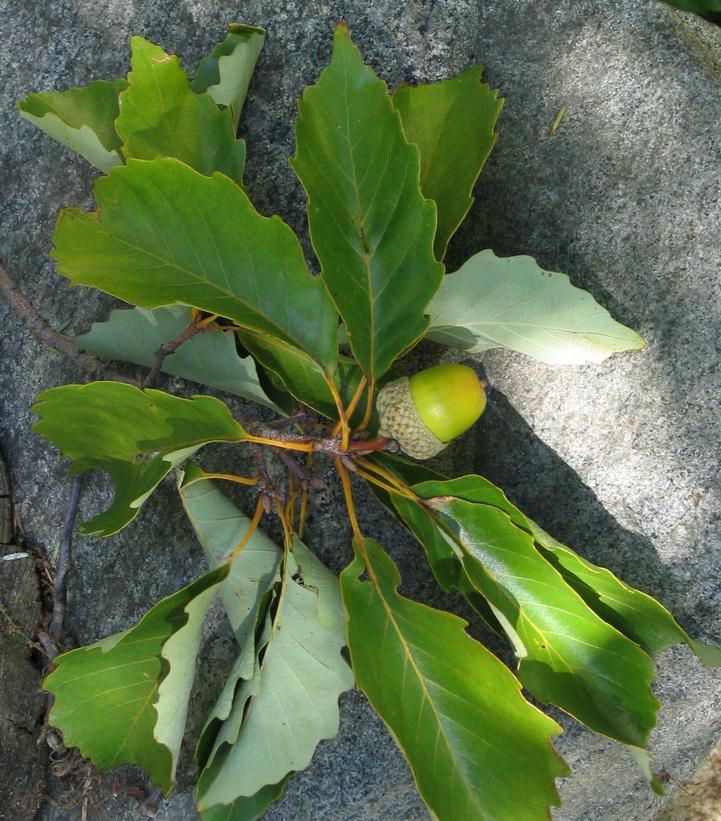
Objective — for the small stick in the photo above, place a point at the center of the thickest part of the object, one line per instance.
(557, 121)
(268, 491)
(40, 329)
(171, 346)
(288, 421)
(64, 560)
(304, 476)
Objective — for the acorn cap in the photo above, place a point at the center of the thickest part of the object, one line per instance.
(425, 412)
(400, 420)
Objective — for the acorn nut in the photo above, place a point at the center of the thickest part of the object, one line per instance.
(425, 412)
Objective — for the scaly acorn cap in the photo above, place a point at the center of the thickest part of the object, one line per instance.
(431, 408)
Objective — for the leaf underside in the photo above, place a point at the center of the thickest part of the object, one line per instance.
(226, 72)
(81, 119)
(370, 225)
(454, 709)
(281, 697)
(494, 302)
(207, 358)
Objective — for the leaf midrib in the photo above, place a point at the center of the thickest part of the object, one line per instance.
(93, 223)
(550, 645)
(421, 680)
(361, 223)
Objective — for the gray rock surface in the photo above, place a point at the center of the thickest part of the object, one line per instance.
(620, 461)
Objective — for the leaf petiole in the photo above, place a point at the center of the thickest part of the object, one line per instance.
(369, 408)
(255, 521)
(227, 477)
(348, 494)
(353, 404)
(387, 476)
(305, 447)
(342, 416)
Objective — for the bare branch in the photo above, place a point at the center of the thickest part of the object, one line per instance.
(40, 329)
(171, 346)
(64, 560)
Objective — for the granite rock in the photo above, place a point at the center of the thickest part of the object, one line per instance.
(620, 460)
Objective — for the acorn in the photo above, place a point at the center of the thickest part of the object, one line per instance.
(425, 412)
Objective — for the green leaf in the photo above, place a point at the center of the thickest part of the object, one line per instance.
(445, 564)
(291, 702)
(157, 84)
(81, 119)
(370, 225)
(135, 436)
(226, 72)
(206, 358)
(643, 759)
(493, 302)
(452, 123)
(303, 377)
(124, 700)
(699, 6)
(160, 116)
(568, 656)
(456, 711)
(165, 234)
(634, 613)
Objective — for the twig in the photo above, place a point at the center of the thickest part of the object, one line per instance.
(268, 491)
(304, 476)
(171, 346)
(40, 329)
(64, 559)
(333, 445)
(288, 421)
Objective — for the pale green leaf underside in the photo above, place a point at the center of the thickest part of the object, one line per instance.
(165, 234)
(452, 123)
(208, 358)
(370, 225)
(568, 656)
(245, 808)
(135, 436)
(291, 703)
(226, 72)
(493, 302)
(454, 709)
(160, 116)
(81, 119)
(301, 673)
(220, 527)
(124, 700)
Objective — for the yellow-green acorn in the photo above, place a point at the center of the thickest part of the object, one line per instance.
(425, 412)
